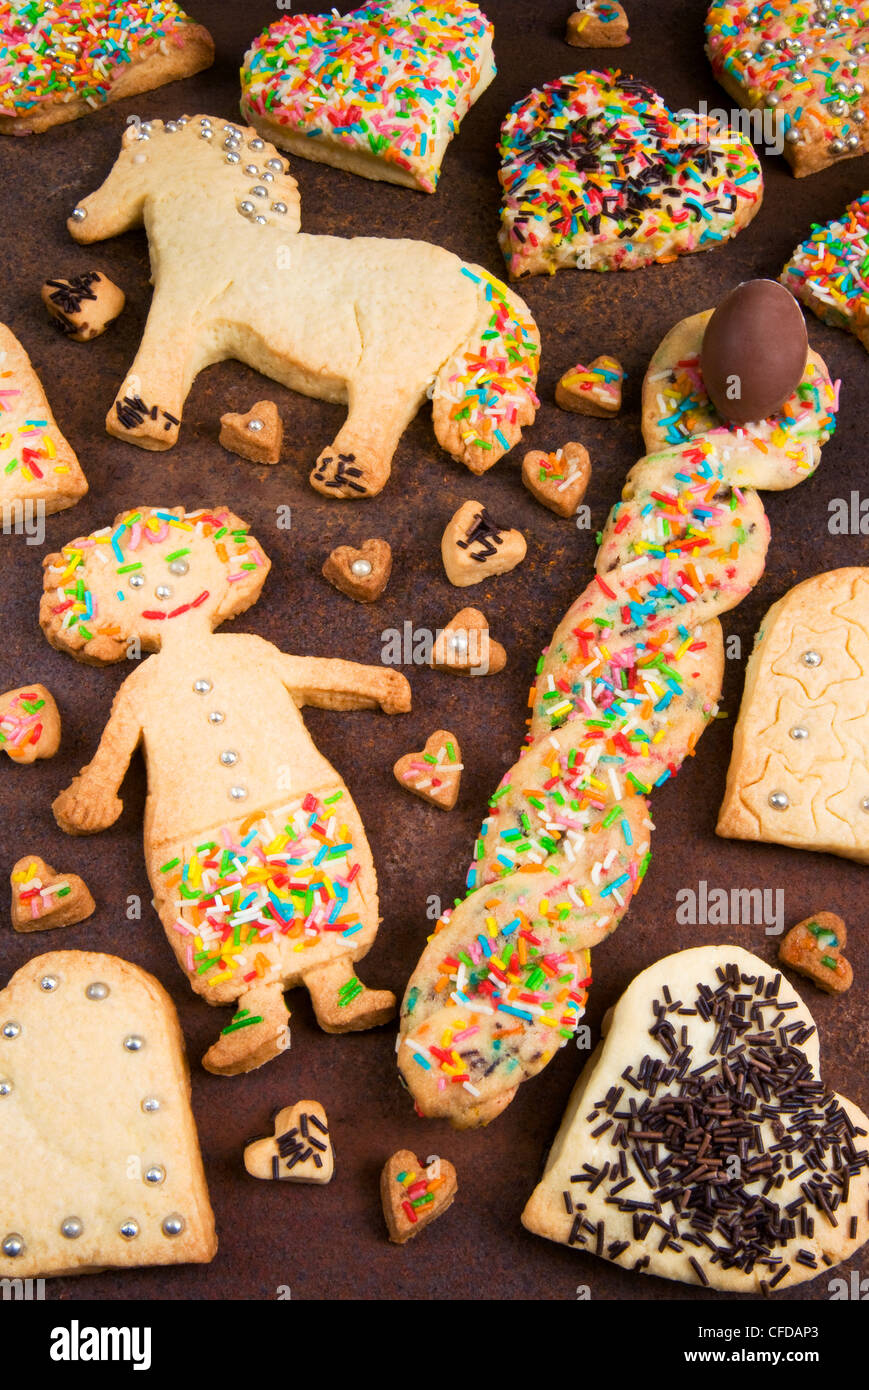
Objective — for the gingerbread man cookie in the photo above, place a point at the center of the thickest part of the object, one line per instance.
(745, 1197)
(343, 319)
(261, 872)
(100, 1165)
(38, 468)
(622, 693)
(380, 91)
(597, 173)
(799, 771)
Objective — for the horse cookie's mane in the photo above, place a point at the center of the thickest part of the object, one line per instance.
(209, 149)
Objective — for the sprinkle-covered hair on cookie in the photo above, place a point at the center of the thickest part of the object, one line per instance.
(152, 566)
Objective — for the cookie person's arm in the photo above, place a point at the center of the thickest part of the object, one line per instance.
(334, 684)
(91, 802)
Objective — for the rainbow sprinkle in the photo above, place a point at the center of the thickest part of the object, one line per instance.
(829, 271)
(596, 172)
(21, 723)
(391, 80)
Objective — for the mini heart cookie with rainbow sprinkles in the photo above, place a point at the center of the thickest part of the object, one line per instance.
(379, 92)
(597, 173)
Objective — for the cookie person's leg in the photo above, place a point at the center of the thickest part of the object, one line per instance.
(342, 1003)
(256, 1034)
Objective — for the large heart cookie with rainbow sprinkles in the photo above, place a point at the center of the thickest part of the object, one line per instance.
(379, 92)
(597, 173)
(828, 271)
(806, 64)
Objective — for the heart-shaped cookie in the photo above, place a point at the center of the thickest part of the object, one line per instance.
(415, 1194)
(436, 772)
(826, 271)
(806, 63)
(300, 1149)
(361, 574)
(100, 1165)
(597, 173)
(380, 91)
(559, 479)
(691, 1146)
(592, 390)
(474, 547)
(799, 771)
(83, 306)
(43, 898)
(466, 648)
(257, 435)
(597, 24)
(814, 947)
(29, 724)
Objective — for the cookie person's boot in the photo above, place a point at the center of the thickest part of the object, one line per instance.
(257, 1033)
(342, 1003)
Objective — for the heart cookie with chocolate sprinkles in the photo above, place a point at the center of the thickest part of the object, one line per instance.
(300, 1149)
(701, 1143)
(474, 547)
(415, 1194)
(597, 173)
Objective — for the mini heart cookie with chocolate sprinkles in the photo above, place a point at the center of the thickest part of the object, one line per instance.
(814, 948)
(466, 648)
(436, 772)
(256, 436)
(43, 898)
(29, 724)
(380, 91)
(415, 1194)
(559, 479)
(597, 173)
(361, 574)
(597, 24)
(474, 547)
(592, 390)
(300, 1149)
(701, 1142)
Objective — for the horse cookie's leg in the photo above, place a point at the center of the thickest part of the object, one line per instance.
(359, 462)
(147, 409)
(342, 1003)
(258, 1032)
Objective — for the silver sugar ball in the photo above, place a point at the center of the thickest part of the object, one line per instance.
(258, 191)
(279, 208)
(255, 424)
(136, 580)
(276, 165)
(129, 1230)
(11, 1030)
(238, 793)
(260, 221)
(173, 1225)
(779, 801)
(361, 568)
(216, 717)
(256, 144)
(163, 591)
(245, 207)
(133, 1043)
(79, 214)
(150, 1105)
(798, 732)
(231, 157)
(97, 991)
(202, 686)
(48, 983)
(71, 1228)
(179, 566)
(155, 1174)
(811, 658)
(229, 757)
(6, 1088)
(13, 1245)
(864, 804)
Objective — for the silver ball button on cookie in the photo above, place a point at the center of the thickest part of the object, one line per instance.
(136, 581)
(811, 658)
(163, 591)
(133, 1043)
(150, 1105)
(238, 793)
(229, 757)
(361, 568)
(799, 732)
(71, 1228)
(255, 424)
(6, 1088)
(216, 716)
(179, 566)
(97, 990)
(173, 1225)
(13, 1245)
(202, 685)
(129, 1229)
(11, 1030)
(779, 801)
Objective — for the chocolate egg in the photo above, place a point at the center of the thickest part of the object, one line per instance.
(754, 351)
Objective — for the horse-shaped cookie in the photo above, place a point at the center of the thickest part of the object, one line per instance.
(378, 323)
(257, 857)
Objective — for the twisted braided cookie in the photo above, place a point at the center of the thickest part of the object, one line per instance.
(623, 692)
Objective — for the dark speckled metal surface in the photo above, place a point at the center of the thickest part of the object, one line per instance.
(331, 1242)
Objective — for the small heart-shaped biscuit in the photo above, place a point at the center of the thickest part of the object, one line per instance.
(300, 1149)
(465, 647)
(592, 390)
(435, 773)
(558, 480)
(29, 724)
(597, 24)
(415, 1194)
(360, 574)
(474, 546)
(84, 306)
(256, 436)
(43, 898)
(814, 948)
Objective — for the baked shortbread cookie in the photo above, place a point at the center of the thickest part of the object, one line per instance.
(29, 723)
(700, 1142)
(261, 872)
(631, 678)
(65, 58)
(99, 1161)
(826, 272)
(38, 468)
(806, 64)
(380, 91)
(799, 772)
(377, 323)
(597, 173)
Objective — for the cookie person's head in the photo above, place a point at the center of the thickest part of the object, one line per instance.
(152, 569)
